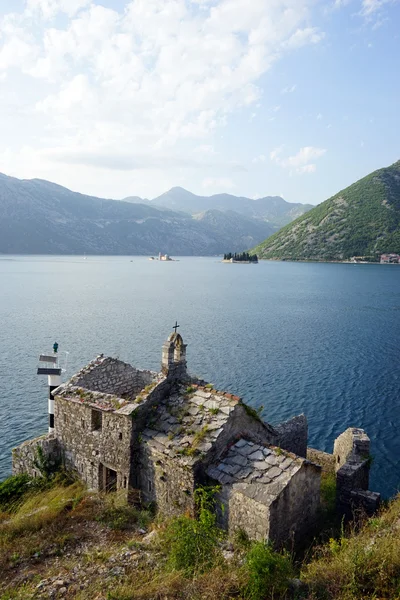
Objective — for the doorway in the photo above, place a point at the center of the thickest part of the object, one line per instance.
(107, 479)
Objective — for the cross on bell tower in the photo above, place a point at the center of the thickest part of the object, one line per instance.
(173, 362)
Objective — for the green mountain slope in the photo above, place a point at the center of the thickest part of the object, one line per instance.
(362, 220)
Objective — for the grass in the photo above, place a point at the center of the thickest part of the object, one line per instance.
(50, 532)
(364, 564)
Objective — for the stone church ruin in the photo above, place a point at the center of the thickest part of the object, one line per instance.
(155, 437)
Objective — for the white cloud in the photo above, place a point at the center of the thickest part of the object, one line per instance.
(372, 6)
(259, 159)
(319, 117)
(218, 183)
(49, 8)
(152, 77)
(311, 168)
(369, 9)
(300, 162)
(289, 89)
(302, 37)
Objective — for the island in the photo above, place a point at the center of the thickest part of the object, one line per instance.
(243, 257)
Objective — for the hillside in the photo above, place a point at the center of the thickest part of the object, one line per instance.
(57, 540)
(361, 220)
(39, 217)
(273, 209)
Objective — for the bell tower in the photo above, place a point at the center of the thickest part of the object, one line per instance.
(173, 361)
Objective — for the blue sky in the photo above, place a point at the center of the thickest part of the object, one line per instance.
(114, 97)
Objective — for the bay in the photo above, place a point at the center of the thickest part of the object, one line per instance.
(292, 337)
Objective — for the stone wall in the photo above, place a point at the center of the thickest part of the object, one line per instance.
(353, 445)
(293, 435)
(293, 514)
(241, 423)
(85, 449)
(350, 477)
(112, 376)
(352, 463)
(25, 455)
(324, 459)
(244, 513)
(166, 482)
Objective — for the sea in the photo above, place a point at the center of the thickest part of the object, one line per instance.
(312, 338)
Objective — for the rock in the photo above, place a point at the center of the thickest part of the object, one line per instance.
(296, 585)
(228, 555)
(149, 537)
(142, 531)
(117, 571)
(62, 590)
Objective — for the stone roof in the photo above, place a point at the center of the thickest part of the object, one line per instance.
(189, 422)
(257, 471)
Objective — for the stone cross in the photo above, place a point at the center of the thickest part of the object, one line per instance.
(176, 326)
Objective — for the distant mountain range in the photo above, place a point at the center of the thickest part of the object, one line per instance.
(272, 209)
(39, 217)
(362, 220)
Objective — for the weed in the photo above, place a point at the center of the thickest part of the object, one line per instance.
(149, 388)
(192, 544)
(199, 436)
(267, 571)
(241, 540)
(255, 414)
(214, 411)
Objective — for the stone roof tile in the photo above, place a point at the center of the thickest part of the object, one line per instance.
(260, 472)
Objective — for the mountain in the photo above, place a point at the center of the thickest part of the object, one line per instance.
(362, 220)
(39, 217)
(273, 209)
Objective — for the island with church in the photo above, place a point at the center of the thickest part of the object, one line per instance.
(156, 437)
(240, 258)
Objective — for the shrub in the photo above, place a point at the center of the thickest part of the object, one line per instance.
(13, 488)
(192, 544)
(364, 564)
(267, 572)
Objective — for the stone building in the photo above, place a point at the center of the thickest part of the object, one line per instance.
(157, 436)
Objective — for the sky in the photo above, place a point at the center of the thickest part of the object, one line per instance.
(116, 98)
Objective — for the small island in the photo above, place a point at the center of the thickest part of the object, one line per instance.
(242, 257)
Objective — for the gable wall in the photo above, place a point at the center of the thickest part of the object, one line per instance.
(236, 511)
(241, 424)
(294, 511)
(113, 376)
(83, 449)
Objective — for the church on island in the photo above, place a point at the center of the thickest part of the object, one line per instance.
(156, 436)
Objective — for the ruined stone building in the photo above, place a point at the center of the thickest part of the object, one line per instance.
(157, 436)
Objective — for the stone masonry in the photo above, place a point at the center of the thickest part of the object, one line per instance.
(156, 437)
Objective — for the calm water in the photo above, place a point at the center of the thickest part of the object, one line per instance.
(315, 338)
